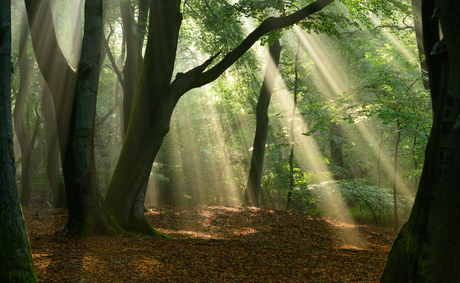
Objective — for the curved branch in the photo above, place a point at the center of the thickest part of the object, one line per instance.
(267, 26)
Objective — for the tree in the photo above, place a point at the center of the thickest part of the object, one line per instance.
(251, 195)
(52, 157)
(427, 247)
(15, 256)
(74, 95)
(155, 100)
(85, 200)
(134, 34)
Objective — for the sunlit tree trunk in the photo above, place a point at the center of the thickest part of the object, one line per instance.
(59, 75)
(156, 99)
(52, 158)
(251, 195)
(427, 248)
(395, 168)
(15, 256)
(86, 213)
(294, 108)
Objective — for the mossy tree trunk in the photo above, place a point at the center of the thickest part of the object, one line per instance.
(133, 59)
(15, 256)
(251, 194)
(427, 249)
(156, 99)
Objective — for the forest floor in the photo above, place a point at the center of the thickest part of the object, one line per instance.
(211, 244)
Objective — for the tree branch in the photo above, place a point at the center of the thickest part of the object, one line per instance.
(114, 64)
(267, 26)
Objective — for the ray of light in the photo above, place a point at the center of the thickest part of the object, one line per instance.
(338, 86)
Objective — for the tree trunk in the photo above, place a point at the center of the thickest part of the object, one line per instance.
(251, 195)
(89, 215)
(157, 69)
(52, 158)
(15, 257)
(85, 209)
(417, 7)
(133, 60)
(395, 168)
(336, 145)
(294, 108)
(61, 79)
(427, 248)
(19, 124)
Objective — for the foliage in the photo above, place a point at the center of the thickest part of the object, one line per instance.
(366, 203)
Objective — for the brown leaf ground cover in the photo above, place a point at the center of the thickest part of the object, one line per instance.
(212, 244)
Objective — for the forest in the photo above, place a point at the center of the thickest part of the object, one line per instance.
(229, 140)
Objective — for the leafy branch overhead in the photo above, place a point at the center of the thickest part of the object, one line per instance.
(268, 25)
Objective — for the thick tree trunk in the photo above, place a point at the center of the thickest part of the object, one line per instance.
(130, 175)
(86, 213)
(156, 99)
(427, 248)
(15, 256)
(251, 195)
(89, 215)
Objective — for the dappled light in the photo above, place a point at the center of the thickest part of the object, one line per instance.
(228, 242)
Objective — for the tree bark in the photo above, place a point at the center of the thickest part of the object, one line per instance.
(427, 248)
(417, 6)
(89, 215)
(52, 156)
(15, 256)
(155, 76)
(251, 195)
(133, 60)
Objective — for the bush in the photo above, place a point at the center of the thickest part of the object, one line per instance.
(364, 203)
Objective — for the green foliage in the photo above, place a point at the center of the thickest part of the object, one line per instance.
(365, 203)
